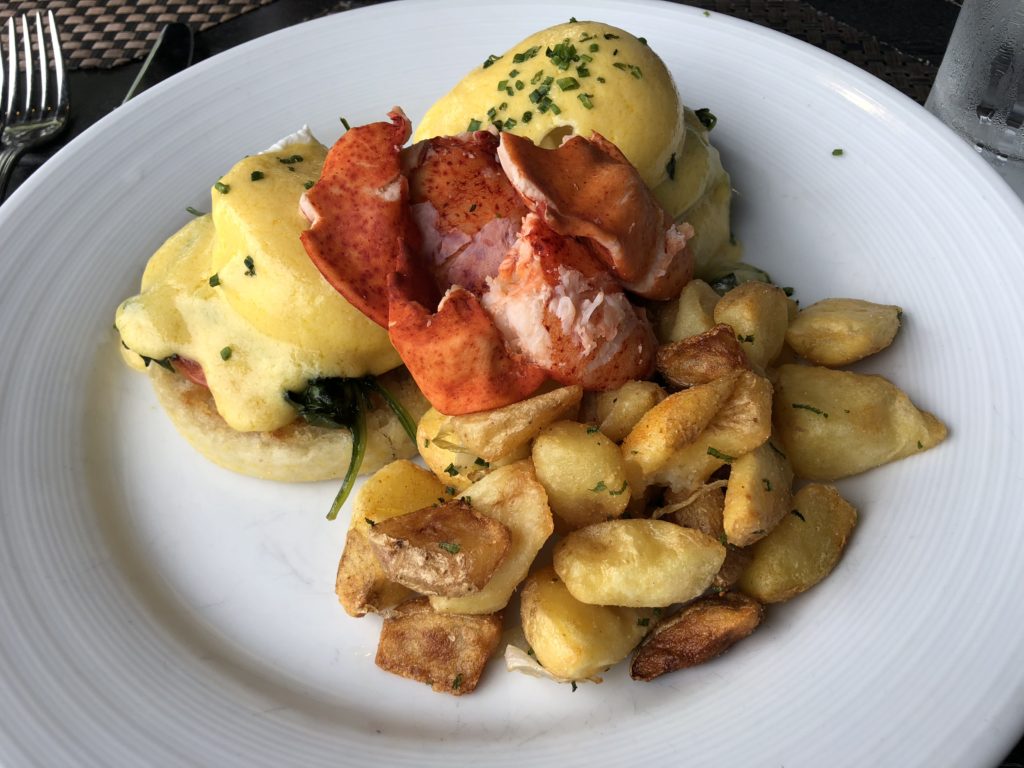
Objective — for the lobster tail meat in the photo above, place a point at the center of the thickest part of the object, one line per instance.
(356, 210)
(555, 302)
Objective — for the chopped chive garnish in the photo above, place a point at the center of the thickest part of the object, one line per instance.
(290, 160)
(225, 354)
(194, 212)
(502, 85)
(344, 122)
(837, 152)
(720, 456)
(513, 72)
(568, 83)
(250, 266)
(309, 184)
(706, 117)
(451, 470)
(214, 281)
(585, 100)
(449, 546)
(490, 60)
(633, 69)
(255, 175)
(520, 85)
(529, 53)
(610, 36)
(527, 117)
(474, 125)
(810, 408)
(594, 47)
(222, 187)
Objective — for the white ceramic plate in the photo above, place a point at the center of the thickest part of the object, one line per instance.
(157, 610)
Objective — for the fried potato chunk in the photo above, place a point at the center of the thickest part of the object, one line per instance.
(758, 495)
(361, 585)
(674, 422)
(836, 423)
(583, 473)
(455, 466)
(701, 631)
(803, 549)
(446, 651)
(742, 424)
(492, 435)
(448, 550)
(513, 496)
(692, 313)
(759, 315)
(837, 332)
(617, 411)
(396, 489)
(701, 358)
(574, 640)
(637, 563)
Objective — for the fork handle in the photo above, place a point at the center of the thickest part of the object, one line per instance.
(8, 159)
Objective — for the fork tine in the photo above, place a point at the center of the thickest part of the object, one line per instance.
(58, 59)
(41, 50)
(26, 54)
(12, 67)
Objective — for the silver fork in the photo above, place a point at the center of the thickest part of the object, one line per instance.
(29, 122)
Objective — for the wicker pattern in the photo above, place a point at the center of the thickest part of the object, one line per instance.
(105, 33)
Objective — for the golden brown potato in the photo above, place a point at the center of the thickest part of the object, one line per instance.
(637, 563)
(842, 331)
(836, 423)
(803, 549)
(701, 631)
(758, 495)
(448, 549)
(454, 466)
(396, 489)
(673, 423)
(582, 472)
(740, 425)
(617, 411)
(701, 510)
(702, 358)
(446, 651)
(759, 314)
(361, 585)
(574, 640)
(690, 314)
(492, 435)
(513, 496)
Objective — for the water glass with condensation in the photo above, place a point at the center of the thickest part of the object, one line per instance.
(979, 90)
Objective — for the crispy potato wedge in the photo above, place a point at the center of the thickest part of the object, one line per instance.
(701, 631)
(395, 489)
(448, 550)
(446, 651)
(692, 313)
(637, 563)
(513, 496)
(574, 640)
(836, 423)
(837, 332)
(803, 549)
(582, 472)
(492, 435)
(617, 411)
(740, 425)
(758, 495)
(452, 464)
(759, 315)
(673, 423)
(702, 358)
(361, 585)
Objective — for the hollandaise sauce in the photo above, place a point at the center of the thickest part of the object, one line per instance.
(235, 292)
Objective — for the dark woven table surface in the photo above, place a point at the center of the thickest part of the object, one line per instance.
(105, 41)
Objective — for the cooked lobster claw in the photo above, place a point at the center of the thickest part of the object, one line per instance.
(355, 210)
(586, 188)
(456, 354)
